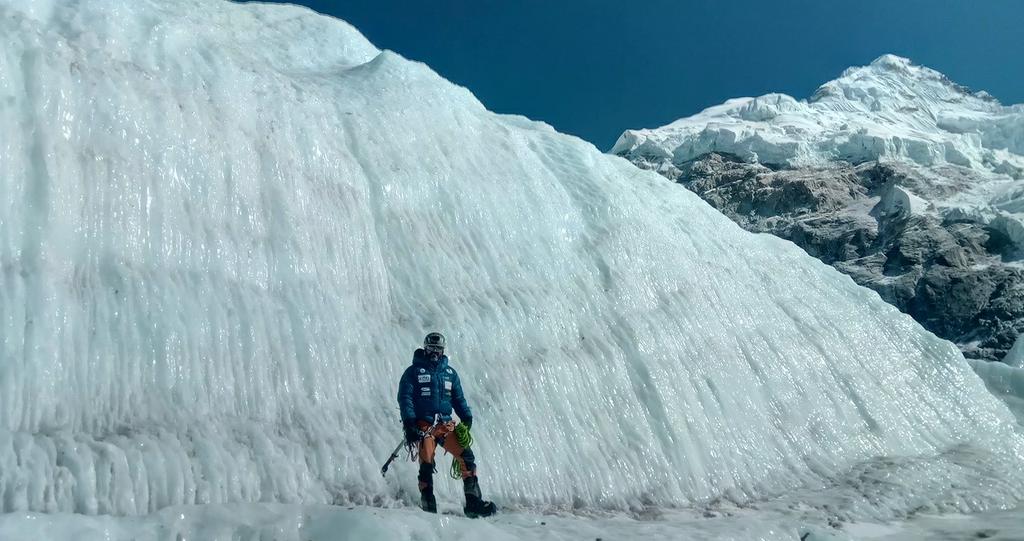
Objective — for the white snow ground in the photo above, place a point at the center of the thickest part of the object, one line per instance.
(225, 228)
(283, 522)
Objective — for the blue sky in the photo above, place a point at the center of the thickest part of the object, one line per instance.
(593, 68)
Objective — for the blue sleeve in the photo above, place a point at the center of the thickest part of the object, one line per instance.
(405, 390)
(459, 403)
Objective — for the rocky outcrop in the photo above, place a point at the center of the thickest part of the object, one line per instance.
(874, 221)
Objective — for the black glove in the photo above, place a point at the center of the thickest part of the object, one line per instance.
(412, 434)
(468, 421)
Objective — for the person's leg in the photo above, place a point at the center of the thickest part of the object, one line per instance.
(464, 457)
(475, 504)
(428, 447)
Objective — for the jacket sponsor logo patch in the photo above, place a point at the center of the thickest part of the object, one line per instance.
(424, 391)
(423, 378)
(422, 370)
(447, 385)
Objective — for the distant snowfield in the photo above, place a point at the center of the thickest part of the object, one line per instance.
(226, 227)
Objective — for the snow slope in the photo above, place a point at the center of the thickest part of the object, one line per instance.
(225, 228)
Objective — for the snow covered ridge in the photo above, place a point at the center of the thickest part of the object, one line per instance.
(888, 110)
(225, 227)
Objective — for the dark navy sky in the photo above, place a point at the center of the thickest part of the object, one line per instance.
(593, 68)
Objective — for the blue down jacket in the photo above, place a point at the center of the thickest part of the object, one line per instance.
(430, 387)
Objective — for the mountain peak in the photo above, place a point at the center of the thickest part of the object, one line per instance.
(892, 62)
(890, 109)
(897, 82)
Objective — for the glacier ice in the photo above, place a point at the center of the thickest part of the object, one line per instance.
(1015, 357)
(1006, 382)
(225, 227)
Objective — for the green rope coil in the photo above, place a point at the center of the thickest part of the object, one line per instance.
(465, 439)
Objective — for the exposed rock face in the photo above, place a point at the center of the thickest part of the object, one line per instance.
(952, 274)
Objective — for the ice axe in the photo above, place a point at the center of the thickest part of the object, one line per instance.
(394, 455)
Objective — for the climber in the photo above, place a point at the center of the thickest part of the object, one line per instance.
(427, 393)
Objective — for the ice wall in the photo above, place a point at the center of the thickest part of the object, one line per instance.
(225, 228)
(1006, 382)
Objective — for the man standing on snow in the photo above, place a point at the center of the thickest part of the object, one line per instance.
(427, 392)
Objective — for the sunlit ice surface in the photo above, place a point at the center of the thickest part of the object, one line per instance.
(226, 227)
(294, 522)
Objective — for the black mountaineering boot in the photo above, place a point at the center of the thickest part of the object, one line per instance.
(426, 478)
(476, 507)
(427, 501)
